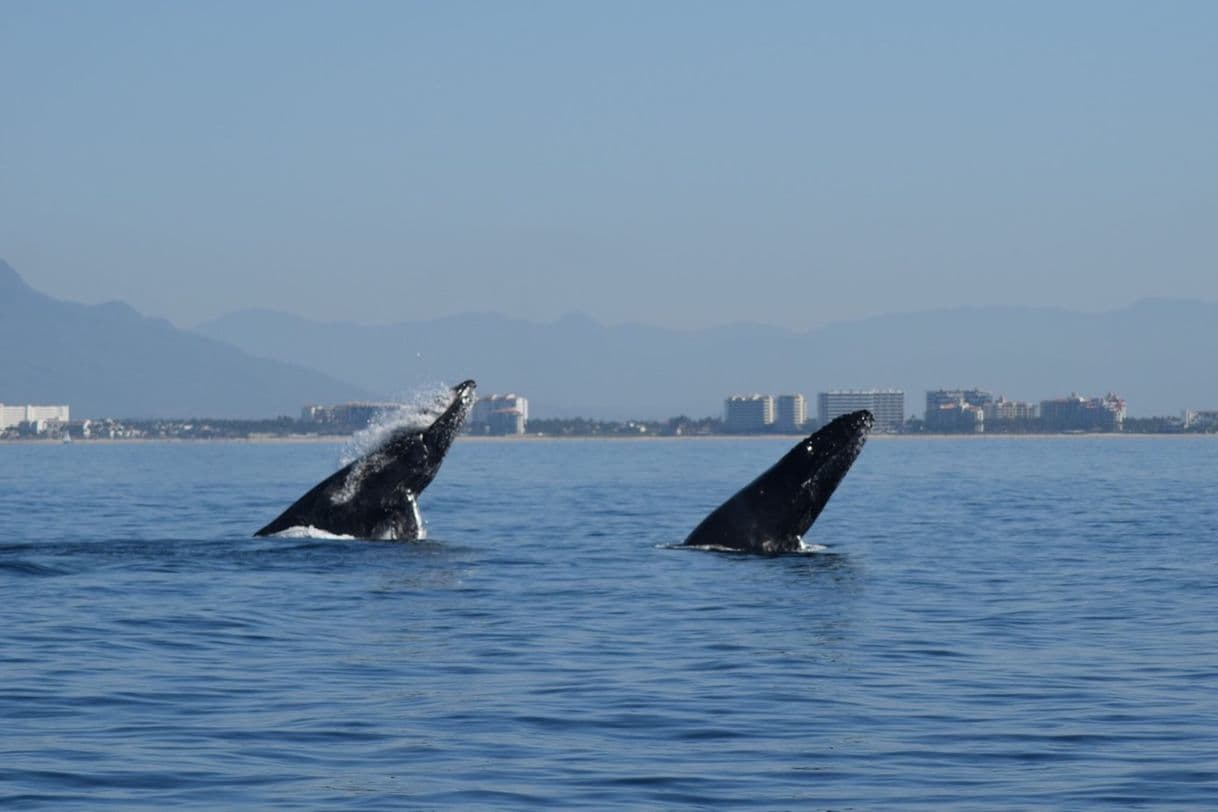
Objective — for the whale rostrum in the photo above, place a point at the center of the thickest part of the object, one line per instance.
(773, 512)
(376, 496)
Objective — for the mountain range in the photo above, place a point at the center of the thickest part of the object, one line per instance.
(1153, 353)
(109, 361)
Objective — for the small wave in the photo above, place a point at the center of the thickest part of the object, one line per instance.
(309, 532)
(21, 567)
(804, 549)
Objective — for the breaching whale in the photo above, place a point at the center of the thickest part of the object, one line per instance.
(376, 497)
(771, 513)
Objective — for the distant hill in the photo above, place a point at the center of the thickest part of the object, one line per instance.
(108, 360)
(1155, 353)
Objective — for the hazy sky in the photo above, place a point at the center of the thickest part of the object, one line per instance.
(676, 163)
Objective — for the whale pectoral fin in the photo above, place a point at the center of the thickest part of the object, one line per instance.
(413, 527)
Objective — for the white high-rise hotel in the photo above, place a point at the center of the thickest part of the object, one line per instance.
(748, 413)
(11, 416)
(500, 414)
(790, 412)
(886, 405)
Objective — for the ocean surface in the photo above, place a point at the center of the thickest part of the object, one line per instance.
(995, 624)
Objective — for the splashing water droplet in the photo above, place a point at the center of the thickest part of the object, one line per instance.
(416, 411)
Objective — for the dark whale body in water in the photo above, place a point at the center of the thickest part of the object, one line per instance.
(771, 513)
(375, 497)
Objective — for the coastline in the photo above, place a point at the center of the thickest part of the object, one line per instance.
(339, 439)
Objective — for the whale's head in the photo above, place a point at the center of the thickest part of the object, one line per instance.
(772, 513)
(818, 464)
(840, 440)
(440, 434)
(411, 456)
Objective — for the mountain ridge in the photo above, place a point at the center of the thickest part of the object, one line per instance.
(109, 360)
(583, 367)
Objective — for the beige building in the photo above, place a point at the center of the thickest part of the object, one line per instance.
(1003, 409)
(499, 415)
(790, 413)
(12, 416)
(748, 414)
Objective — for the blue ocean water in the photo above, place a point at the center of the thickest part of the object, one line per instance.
(1008, 624)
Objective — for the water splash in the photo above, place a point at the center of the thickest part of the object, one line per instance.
(805, 548)
(308, 532)
(416, 411)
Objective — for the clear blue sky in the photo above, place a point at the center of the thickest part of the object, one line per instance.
(675, 163)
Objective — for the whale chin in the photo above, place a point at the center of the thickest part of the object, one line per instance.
(772, 513)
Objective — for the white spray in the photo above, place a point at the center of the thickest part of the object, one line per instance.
(415, 412)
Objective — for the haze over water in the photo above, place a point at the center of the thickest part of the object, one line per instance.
(997, 624)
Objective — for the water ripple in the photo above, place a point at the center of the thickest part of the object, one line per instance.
(1043, 641)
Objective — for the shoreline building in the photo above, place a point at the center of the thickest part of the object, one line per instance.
(1200, 419)
(972, 411)
(1003, 410)
(790, 413)
(499, 415)
(1077, 413)
(957, 410)
(748, 414)
(353, 415)
(887, 406)
(38, 418)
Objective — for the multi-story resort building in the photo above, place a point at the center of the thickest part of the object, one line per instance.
(1077, 413)
(346, 415)
(940, 397)
(499, 415)
(1194, 418)
(748, 414)
(37, 417)
(886, 405)
(1009, 410)
(971, 410)
(790, 413)
(957, 410)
